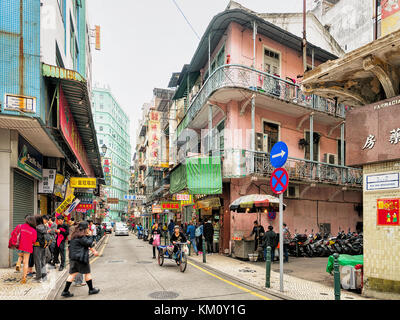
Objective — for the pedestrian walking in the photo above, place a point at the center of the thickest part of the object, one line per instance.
(209, 235)
(79, 248)
(52, 231)
(286, 241)
(47, 251)
(79, 277)
(216, 236)
(156, 238)
(28, 237)
(39, 249)
(93, 229)
(62, 234)
(199, 236)
(171, 226)
(191, 232)
(269, 240)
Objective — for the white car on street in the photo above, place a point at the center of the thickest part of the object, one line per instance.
(121, 229)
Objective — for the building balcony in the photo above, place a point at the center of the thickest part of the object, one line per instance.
(233, 77)
(242, 163)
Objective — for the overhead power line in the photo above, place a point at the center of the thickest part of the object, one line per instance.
(186, 19)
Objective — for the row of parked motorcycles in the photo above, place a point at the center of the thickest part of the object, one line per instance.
(324, 245)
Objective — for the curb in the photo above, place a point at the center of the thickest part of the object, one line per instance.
(53, 292)
(207, 267)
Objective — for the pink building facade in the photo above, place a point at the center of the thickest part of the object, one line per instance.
(251, 98)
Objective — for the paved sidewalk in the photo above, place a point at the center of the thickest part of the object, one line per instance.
(11, 289)
(254, 275)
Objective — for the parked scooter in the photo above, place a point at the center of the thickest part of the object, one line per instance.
(146, 235)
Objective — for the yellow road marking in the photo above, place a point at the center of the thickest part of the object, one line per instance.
(102, 249)
(229, 282)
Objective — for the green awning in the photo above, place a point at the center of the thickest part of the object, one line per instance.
(200, 175)
(178, 179)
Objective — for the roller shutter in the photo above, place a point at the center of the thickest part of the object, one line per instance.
(23, 201)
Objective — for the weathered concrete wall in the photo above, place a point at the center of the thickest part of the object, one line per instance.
(381, 243)
(350, 22)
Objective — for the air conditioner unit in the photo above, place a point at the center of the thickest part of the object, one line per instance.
(261, 142)
(293, 191)
(330, 158)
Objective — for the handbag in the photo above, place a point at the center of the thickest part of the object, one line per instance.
(156, 240)
(151, 241)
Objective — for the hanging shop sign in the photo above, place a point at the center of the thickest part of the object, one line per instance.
(83, 207)
(83, 183)
(134, 197)
(29, 159)
(72, 206)
(71, 134)
(154, 138)
(388, 212)
(182, 197)
(20, 103)
(58, 185)
(208, 203)
(156, 208)
(64, 205)
(170, 205)
(46, 185)
(113, 200)
(107, 169)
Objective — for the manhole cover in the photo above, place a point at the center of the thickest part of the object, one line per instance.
(284, 271)
(144, 262)
(247, 270)
(116, 261)
(163, 295)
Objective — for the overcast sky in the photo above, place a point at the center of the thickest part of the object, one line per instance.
(144, 41)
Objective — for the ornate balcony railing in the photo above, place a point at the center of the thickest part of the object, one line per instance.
(240, 76)
(241, 163)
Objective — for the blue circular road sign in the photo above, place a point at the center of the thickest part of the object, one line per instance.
(279, 154)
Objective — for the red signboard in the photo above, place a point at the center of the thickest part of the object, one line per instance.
(389, 7)
(82, 207)
(388, 212)
(71, 135)
(170, 205)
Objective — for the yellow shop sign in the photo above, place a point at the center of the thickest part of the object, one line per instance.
(85, 183)
(63, 206)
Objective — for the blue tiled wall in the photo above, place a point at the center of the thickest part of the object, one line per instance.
(9, 52)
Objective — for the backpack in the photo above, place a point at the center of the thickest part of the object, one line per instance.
(15, 237)
(197, 233)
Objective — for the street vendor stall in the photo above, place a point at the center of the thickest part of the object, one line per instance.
(255, 203)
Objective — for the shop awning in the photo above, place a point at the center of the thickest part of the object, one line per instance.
(76, 92)
(199, 175)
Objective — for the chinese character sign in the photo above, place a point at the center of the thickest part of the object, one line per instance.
(388, 212)
(86, 183)
(370, 142)
(154, 137)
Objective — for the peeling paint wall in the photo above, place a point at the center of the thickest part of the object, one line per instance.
(349, 22)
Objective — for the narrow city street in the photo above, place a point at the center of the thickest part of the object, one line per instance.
(126, 270)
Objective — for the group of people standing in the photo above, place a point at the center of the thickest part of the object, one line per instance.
(41, 241)
(270, 239)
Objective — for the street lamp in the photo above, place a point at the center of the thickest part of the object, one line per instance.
(104, 149)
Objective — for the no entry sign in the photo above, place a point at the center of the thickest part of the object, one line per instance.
(279, 181)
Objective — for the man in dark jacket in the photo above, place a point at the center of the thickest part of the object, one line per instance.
(258, 231)
(62, 235)
(269, 240)
(171, 226)
(208, 235)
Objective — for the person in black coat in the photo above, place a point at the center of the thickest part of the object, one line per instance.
(208, 235)
(62, 233)
(269, 240)
(79, 248)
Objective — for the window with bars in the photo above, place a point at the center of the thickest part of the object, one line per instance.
(272, 130)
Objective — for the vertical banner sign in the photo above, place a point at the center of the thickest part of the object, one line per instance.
(29, 159)
(390, 16)
(47, 183)
(154, 138)
(388, 212)
(71, 135)
(98, 47)
(107, 171)
(58, 186)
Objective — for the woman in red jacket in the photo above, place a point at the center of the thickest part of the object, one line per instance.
(28, 238)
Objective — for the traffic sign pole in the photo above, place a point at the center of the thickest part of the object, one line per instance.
(281, 240)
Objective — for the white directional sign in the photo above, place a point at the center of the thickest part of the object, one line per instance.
(382, 181)
(134, 197)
